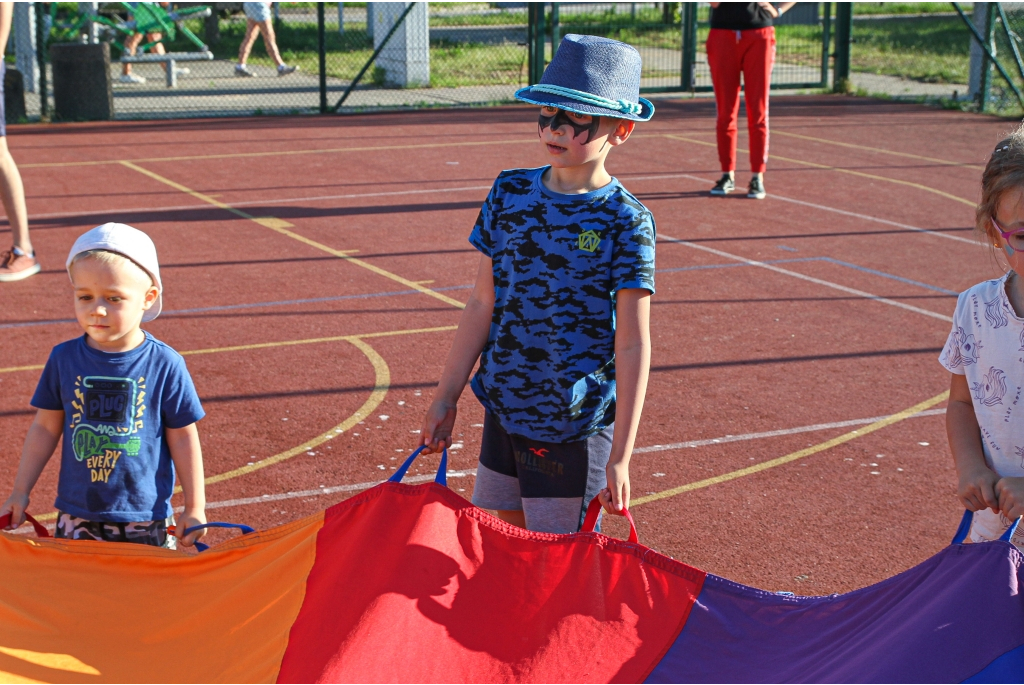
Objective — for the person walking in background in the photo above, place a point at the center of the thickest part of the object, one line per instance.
(20, 261)
(131, 45)
(257, 17)
(742, 41)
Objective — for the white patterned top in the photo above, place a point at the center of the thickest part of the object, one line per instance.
(987, 346)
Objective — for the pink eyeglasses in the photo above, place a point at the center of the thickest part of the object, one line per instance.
(1014, 239)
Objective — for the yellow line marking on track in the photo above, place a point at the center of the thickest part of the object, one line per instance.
(944, 162)
(312, 341)
(799, 454)
(862, 174)
(381, 384)
(280, 153)
(30, 367)
(280, 343)
(281, 226)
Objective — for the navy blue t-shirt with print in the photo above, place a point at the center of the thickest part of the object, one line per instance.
(547, 371)
(115, 464)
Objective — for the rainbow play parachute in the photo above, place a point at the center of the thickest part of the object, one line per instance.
(414, 584)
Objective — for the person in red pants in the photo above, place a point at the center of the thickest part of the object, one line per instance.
(742, 41)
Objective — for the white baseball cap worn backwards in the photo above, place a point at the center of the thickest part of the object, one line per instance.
(130, 242)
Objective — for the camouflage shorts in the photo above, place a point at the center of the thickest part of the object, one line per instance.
(140, 532)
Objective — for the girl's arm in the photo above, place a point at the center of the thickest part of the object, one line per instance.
(187, 456)
(977, 482)
(632, 365)
(40, 441)
(474, 327)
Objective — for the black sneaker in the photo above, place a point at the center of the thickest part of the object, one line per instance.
(724, 186)
(755, 191)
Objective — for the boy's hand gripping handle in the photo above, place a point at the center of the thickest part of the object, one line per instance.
(40, 529)
(590, 522)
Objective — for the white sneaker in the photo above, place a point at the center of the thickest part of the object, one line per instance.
(182, 71)
(284, 70)
(132, 78)
(243, 70)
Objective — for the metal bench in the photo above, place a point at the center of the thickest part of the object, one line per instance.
(170, 58)
(149, 18)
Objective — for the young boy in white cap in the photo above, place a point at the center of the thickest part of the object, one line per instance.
(559, 314)
(123, 402)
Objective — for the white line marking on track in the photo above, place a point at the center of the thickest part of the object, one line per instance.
(824, 208)
(253, 203)
(355, 487)
(358, 487)
(286, 200)
(775, 433)
(810, 279)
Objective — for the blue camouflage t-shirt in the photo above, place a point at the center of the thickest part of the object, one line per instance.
(115, 464)
(547, 371)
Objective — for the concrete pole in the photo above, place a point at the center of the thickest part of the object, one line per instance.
(406, 57)
(24, 26)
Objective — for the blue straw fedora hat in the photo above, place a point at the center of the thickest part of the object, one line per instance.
(592, 75)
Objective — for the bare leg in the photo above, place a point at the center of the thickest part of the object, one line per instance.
(245, 48)
(131, 44)
(515, 517)
(159, 47)
(12, 192)
(270, 41)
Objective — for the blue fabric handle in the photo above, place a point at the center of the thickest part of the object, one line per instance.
(1005, 537)
(965, 528)
(201, 547)
(441, 478)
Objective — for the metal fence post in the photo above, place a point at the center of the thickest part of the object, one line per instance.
(826, 41)
(536, 40)
(41, 40)
(321, 44)
(556, 30)
(689, 66)
(844, 36)
(986, 63)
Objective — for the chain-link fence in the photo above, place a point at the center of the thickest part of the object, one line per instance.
(922, 51)
(440, 54)
(802, 37)
(1001, 85)
(364, 56)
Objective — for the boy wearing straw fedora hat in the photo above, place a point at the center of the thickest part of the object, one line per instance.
(559, 314)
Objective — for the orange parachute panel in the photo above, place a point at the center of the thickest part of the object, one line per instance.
(87, 612)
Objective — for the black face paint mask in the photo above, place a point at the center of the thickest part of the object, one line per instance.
(561, 119)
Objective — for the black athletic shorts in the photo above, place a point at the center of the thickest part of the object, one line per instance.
(552, 483)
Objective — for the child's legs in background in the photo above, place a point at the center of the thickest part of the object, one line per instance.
(131, 44)
(251, 31)
(757, 52)
(270, 41)
(723, 59)
(548, 485)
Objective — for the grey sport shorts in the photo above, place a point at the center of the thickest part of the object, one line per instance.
(552, 483)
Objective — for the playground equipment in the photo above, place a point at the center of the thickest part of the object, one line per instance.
(147, 18)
